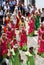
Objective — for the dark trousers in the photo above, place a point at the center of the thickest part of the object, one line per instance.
(42, 19)
(0, 30)
(1, 59)
(11, 9)
(1, 20)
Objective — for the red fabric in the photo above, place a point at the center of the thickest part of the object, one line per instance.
(4, 48)
(40, 40)
(31, 26)
(23, 38)
(9, 34)
(0, 50)
(40, 32)
(17, 24)
(41, 48)
(28, 15)
(5, 29)
(13, 25)
(7, 21)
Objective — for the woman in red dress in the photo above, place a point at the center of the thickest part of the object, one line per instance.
(23, 40)
(18, 19)
(7, 19)
(41, 40)
(31, 27)
(4, 45)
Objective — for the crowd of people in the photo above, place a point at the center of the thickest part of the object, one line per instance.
(16, 23)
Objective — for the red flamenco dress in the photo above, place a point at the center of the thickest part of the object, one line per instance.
(4, 49)
(17, 23)
(41, 48)
(7, 20)
(23, 40)
(31, 27)
(1, 58)
(9, 34)
(41, 42)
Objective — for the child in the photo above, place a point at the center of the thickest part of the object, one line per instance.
(30, 57)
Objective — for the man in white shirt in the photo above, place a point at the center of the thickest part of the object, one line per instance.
(3, 3)
(1, 11)
(11, 6)
(1, 16)
(6, 7)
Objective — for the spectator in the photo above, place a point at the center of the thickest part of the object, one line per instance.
(1, 16)
(33, 8)
(26, 10)
(42, 15)
(20, 6)
(14, 2)
(1, 11)
(11, 6)
(0, 30)
(6, 7)
(3, 3)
